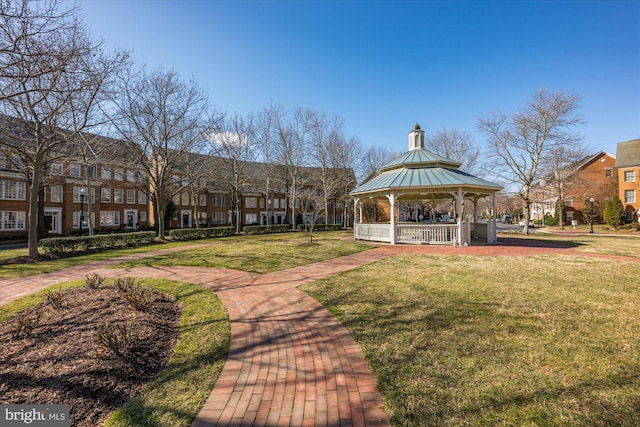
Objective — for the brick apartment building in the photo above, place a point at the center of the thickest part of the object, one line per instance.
(628, 164)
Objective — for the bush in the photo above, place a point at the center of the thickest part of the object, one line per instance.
(25, 322)
(124, 284)
(59, 245)
(614, 213)
(119, 339)
(56, 299)
(139, 297)
(321, 227)
(201, 233)
(94, 281)
(265, 229)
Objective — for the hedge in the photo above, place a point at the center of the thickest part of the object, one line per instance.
(321, 227)
(201, 233)
(264, 229)
(58, 245)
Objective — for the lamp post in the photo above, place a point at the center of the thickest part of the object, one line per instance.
(81, 206)
(591, 200)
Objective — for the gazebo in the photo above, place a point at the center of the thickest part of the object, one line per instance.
(421, 175)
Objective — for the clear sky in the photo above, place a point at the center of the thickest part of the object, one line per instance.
(385, 65)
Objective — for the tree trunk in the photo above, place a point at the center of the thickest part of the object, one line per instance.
(33, 214)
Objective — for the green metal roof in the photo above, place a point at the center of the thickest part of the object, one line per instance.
(417, 179)
(420, 158)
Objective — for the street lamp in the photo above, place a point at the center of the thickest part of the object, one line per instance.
(81, 206)
(591, 200)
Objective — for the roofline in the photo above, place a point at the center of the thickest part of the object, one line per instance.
(420, 190)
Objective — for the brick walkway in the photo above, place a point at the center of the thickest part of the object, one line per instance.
(291, 363)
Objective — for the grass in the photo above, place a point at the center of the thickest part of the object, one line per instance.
(8, 271)
(260, 253)
(622, 245)
(484, 341)
(180, 390)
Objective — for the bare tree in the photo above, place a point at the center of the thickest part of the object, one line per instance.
(559, 170)
(293, 133)
(312, 204)
(456, 145)
(267, 137)
(521, 143)
(51, 77)
(237, 148)
(162, 118)
(372, 160)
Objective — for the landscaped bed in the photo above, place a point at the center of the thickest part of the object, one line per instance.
(69, 358)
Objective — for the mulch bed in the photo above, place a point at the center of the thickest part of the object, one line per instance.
(62, 361)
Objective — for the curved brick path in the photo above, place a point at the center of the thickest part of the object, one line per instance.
(291, 363)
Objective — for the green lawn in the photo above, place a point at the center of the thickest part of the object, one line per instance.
(260, 253)
(623, 244)
(484, 341)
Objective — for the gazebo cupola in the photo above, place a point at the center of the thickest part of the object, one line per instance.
(416, 138)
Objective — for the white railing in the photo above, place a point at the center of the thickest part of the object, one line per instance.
(436, 234)
(373, 232)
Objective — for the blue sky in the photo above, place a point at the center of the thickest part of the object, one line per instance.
(385, 65)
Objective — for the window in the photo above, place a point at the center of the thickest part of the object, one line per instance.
(91, 172)
(3, 160)
(203, 200)
(85, 220)
(608, 172)
(185, 198)
(119, 174)
(143, 215)
(176, 199)
(218, 200)
(250, 202)
(56, 193)
(105, 173)
(251, 219)
(202, 217)
(261, 203)
(131, 176)
(74, 170)
(13, 190)
(142, 198)
(109, 218)
(569, 203)
(105, 195)
(131, 196)
(629, 176)
(629, 196)
(12, 220)
(56, 168)
(117, 195)
(218, 218)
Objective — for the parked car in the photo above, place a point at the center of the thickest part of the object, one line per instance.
(506, 219)
(521, 223)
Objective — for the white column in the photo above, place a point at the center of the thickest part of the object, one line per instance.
(491, 234)
(355, 218)
(475, 217)
(392, 222)
(459, 206)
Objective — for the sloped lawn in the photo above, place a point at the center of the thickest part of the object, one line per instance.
(484, 341)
